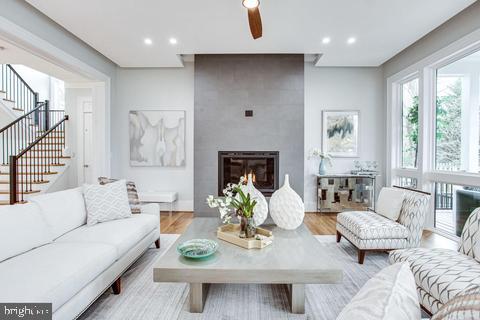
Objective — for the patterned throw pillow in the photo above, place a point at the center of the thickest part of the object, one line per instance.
(131, 190)
(465, 306)
(106, 202)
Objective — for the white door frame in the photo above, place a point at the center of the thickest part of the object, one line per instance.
(41, 48)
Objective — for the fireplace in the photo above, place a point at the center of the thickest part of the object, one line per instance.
(263, 165)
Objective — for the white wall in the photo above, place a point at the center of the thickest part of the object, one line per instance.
(154, 89)
(460, 25)
(343, 89)
(38, 81)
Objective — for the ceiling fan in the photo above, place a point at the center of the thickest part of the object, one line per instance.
(254, 18)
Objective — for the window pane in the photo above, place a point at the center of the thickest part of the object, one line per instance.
(410, 124)
(453, 205)
(407, 182)
(457, 115)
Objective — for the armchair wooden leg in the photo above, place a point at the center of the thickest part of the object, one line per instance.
(361, 256)
(339, 236)
(157, 243)
(117, 286)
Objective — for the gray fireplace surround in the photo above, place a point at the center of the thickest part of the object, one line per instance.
(226, 86)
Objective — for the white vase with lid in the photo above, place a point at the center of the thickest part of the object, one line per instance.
(286, 207)
(260, 211)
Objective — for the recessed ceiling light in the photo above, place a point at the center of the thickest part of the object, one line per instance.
(251, 4)
(351, 40)
(326, 40)
(172, 41)
(148, 41)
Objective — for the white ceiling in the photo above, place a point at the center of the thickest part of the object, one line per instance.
(117, 28)
(12, 54)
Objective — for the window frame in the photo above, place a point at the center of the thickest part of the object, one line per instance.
(425, 173)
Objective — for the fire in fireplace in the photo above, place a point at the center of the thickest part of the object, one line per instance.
(263, 165)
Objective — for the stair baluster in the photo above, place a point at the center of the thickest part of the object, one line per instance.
(41, 154)
(16, 89)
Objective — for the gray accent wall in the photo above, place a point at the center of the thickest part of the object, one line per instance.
(227, 85)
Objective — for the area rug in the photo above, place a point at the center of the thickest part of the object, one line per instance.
(141, 298)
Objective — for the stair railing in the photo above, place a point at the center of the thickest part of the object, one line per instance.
(20, 133)
(32, 164)
(16, 89)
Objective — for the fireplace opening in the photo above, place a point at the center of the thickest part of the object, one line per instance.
(263, 165)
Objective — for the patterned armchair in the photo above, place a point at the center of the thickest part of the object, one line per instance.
(442, 274)
(369, 231)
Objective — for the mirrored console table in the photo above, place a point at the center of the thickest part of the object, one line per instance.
(343, 192)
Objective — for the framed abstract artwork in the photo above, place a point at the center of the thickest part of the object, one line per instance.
(157, 138)
(340, 137)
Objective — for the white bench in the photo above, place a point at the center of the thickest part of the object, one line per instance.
(158, 197)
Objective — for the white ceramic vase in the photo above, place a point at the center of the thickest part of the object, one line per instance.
(260, 212)
(286, 207)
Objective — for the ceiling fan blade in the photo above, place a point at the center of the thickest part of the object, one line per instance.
(255, 21)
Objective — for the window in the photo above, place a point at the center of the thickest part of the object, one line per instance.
(407, 182)
(457, 115)
(409, 96)
(439, 97)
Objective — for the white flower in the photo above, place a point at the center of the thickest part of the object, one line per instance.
(212, 203)
(223, 211)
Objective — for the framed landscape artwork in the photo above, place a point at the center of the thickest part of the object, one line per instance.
(157, 138)
(340, 133)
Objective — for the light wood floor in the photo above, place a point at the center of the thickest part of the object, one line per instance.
(319, 224)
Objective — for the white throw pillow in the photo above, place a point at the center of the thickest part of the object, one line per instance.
(22, 228)
(390, 202)
(390, 295)
(106, 202)
(63, 210)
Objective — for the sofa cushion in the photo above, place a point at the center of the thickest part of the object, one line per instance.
(54, 272)
(442, 273)
(63, 210)
(465, 306)
(390, 294)
(22, 228)
(123, 234)
(390, 202)
(106, 202)
(369, 225)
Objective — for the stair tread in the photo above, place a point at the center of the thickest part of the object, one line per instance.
(36, 165)
(21, 192)
(60, 157)
(33, 182)
(8, 100)
(29, 173)
(7, 202)
(18, 109)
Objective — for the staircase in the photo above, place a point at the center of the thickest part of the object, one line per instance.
(32, 145)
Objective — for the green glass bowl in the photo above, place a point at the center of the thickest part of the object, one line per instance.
(197, 248)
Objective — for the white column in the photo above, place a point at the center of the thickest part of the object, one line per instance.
(465, 124)
(474, 122)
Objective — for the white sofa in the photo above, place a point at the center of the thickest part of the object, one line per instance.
(49, 254)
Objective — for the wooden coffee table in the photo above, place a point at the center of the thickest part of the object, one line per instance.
(294, 258)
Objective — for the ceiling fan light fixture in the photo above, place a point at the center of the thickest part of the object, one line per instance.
(251, 4)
